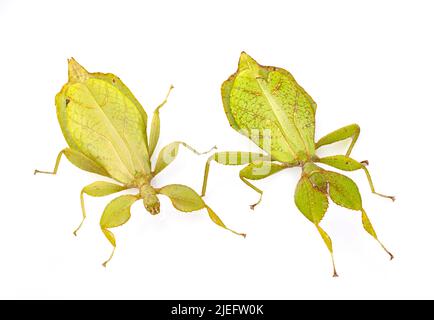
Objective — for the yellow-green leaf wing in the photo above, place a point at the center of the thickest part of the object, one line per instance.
(268, 98)
(101, 121)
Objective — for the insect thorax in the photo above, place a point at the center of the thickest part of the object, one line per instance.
(150, 199)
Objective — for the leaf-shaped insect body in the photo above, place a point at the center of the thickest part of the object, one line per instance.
(267, 105)
(105, 128)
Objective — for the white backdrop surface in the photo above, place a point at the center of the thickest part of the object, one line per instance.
(367, 62)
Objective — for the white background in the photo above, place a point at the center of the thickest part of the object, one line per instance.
(368, 62)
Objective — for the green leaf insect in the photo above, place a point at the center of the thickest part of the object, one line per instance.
(268, 106)
(105, 128)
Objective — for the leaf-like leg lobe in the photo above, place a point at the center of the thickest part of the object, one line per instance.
(96, 189)
(351, 131)
(367, 225)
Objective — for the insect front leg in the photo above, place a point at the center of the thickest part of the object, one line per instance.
(257, 171)
(56, 166)
(351, 131)
(170, 152)
(155, 125)
(230, 158)
(96, 189)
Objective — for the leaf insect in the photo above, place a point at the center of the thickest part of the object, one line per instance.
(268, 106)
(105, 128)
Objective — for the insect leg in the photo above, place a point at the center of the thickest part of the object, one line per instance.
(367, 225)
(56, 166)
(328, 243)
(115, 214)
(186, 199)
(234, 158)
(256, 171)
(96, 189)
(252, 206)
(170, 152)
(194, 150)
(155, 125)
(215, 218)
(368, 176)
(348, 164)
(351, 131)
(83, 211)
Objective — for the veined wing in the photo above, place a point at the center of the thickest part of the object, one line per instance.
(101, 118)
(107, 127)
(268, 99)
